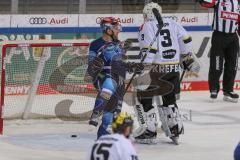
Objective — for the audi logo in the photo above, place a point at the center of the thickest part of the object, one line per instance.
(38, 20)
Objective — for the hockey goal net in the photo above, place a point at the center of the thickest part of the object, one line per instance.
(45, 79)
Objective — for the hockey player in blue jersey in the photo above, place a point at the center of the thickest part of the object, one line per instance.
(107, 71)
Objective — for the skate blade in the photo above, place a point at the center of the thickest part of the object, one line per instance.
(229, 99)
(146, 141)
(175, 140)
(213, 100)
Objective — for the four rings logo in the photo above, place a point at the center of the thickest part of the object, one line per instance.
(38, 20)
(175, 18)
(123, 20)
(99, 19)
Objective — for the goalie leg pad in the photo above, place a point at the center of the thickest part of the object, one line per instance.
(148, 129)
(171, 120)
(141, 118)
(151, 120)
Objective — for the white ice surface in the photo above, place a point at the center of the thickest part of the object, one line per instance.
(211, 135)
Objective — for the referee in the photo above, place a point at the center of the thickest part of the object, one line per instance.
(225, 47)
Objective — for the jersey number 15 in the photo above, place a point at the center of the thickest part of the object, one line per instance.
(100, 151)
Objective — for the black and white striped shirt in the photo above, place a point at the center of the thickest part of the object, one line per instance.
(226, 15)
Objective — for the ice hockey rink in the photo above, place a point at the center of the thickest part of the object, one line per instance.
(212, 130)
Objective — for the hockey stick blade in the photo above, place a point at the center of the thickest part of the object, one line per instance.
(158, 17)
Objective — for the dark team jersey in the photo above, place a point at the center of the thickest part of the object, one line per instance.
(94, 48)
(111, 53)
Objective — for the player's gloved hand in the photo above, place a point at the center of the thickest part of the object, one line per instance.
(137, 67)
(95, 66)
(187, 63)
(190, 65)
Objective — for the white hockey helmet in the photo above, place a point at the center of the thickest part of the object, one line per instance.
(147, 11)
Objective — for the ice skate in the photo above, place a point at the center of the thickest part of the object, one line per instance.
(175, 140)
(171, 122)
(148, 137)
(175, 134)
(230, 97)
(95, 118)
(213, 96)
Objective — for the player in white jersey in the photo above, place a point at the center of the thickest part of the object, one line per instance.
(172, 43)
(115, 146)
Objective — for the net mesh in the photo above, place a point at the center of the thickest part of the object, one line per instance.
(61, 90)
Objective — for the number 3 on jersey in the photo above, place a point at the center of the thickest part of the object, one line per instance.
(100, 151)
(165, 33)
(167, 42)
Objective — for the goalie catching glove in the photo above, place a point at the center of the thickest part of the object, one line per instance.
(190, 65)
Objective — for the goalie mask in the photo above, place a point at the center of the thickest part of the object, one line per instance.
(148, 13)
(121, 121)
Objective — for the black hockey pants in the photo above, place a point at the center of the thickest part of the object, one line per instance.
(223, 57)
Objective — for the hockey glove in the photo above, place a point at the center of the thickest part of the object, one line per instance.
(95, 67)
(190, 65)
(135, 67)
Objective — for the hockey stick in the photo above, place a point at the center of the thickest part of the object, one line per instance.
(160, 26)
(182, 75)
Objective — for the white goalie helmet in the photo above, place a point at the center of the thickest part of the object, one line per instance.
(147, 11)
